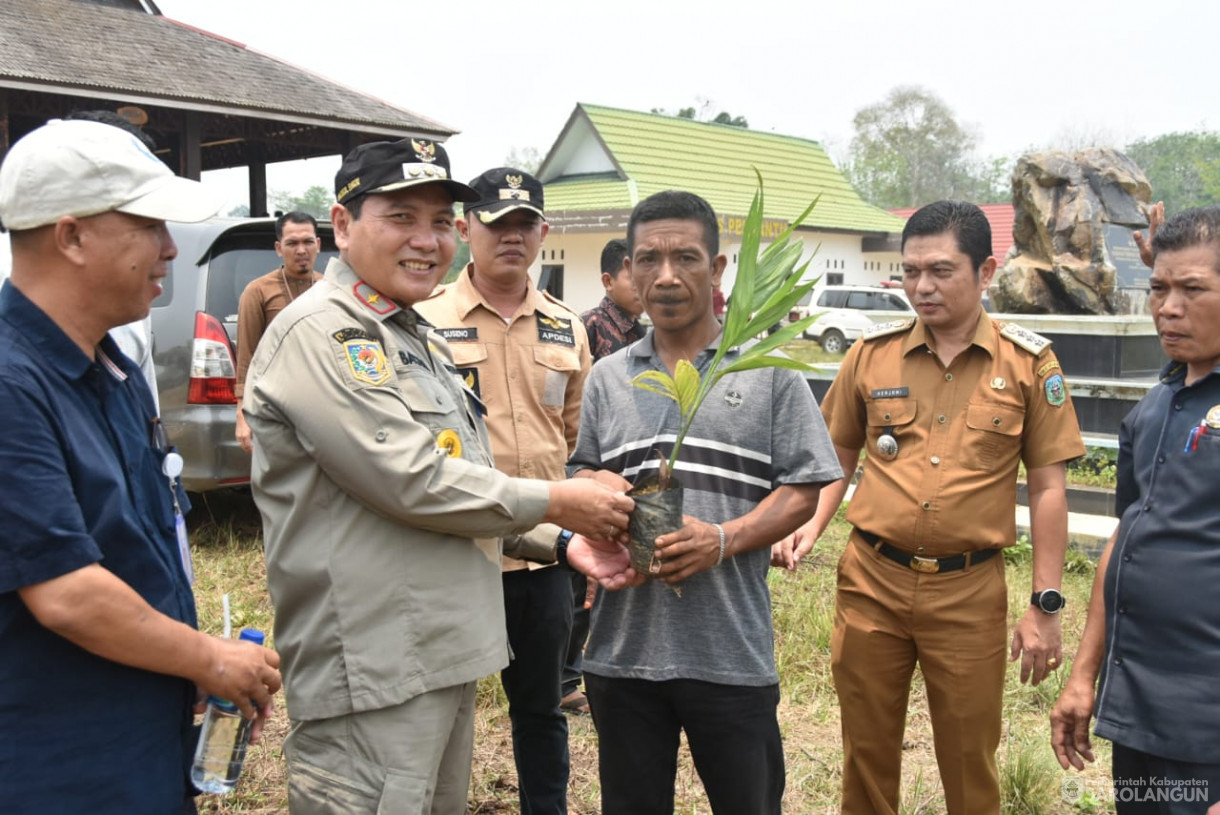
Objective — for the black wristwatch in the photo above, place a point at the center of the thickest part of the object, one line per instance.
(561, 546)
(1048, 601)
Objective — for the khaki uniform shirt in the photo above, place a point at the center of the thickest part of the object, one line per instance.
(529, 371)
(372, 474)
(961, 431)
(262, 299)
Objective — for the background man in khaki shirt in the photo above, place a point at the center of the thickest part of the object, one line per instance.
(297, 244)
(526, 355)
(381, 511)
(947, 405)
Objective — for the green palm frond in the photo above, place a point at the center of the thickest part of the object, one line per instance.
(767, 287)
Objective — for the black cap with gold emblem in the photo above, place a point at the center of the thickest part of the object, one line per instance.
(386, 166)
(502, 190)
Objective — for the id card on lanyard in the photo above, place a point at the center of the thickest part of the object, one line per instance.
(171, 467)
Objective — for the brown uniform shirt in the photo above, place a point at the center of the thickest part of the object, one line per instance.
(262, 299)
(528, 371)
(961, 431)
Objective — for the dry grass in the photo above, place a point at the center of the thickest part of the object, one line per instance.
(228, 557)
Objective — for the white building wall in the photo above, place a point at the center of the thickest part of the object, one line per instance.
(836, 253)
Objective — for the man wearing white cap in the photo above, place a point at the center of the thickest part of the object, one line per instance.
(102, 662)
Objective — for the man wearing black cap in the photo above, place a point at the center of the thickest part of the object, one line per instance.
(381, 509)
(526, 355)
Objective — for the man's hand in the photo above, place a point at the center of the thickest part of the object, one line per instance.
(1156, 217)
(242, 673)
(1070, 724)
(244, 436)
(1038, 642)
(788, 552)
(693, 548)
(588, 507)
(605, 561)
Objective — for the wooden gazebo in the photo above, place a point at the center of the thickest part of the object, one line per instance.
(209, 103)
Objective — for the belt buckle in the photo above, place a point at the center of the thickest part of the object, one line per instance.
(926, 565)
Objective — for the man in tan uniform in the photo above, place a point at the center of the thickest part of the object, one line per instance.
(297, 244)
(947, 405)
(526, 356)
(381, 509)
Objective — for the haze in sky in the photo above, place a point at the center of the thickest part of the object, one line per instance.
(507, 75)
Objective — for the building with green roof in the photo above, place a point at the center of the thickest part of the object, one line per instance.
(607, 160)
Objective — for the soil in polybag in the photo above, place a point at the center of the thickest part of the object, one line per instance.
(656, 513)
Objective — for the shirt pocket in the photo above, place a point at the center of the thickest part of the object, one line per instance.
(557, 366)
(430, 404)
(890, 415)
(992, 436)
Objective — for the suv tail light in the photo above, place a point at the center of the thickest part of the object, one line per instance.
(213, 374)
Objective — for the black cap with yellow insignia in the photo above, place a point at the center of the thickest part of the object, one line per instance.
(501, 191)
(386, 166)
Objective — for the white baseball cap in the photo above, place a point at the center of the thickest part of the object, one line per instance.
(83, 168)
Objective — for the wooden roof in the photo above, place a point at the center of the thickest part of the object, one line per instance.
(248, 107)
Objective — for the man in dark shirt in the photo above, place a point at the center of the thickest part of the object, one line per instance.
(1153, 628)
(102, 661)
(614, 322)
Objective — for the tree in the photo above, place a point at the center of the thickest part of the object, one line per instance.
(316, 201)
(524, 158)
(1183, 168)
(909, 150)
(702, 113)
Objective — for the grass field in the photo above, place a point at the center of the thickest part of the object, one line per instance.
(228, 558)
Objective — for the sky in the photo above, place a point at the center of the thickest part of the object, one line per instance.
(1022, 75)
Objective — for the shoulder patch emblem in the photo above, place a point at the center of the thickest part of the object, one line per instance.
(885, 329)
(1024, 338)
(345, 334)
(1056, 390)
(367, 361)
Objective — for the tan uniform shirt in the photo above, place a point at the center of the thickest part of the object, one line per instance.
(529, 371)
(262, 299)
(961, 432)
(372, 474)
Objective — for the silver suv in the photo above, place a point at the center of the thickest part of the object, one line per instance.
(844, 312)
(194, 327)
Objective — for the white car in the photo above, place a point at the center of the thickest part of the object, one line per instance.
(844, 312)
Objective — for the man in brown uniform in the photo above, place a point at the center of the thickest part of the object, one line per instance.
(526, 355)
(947, 404)
(297, 244)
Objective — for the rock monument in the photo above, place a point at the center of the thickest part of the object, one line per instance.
(1072, 252)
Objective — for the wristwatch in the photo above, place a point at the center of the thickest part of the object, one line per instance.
(561, 546)
(1048, 601)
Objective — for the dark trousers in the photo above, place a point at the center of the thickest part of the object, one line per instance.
(1145, 784)
(538, 612)
(573, 664)
(732, 732)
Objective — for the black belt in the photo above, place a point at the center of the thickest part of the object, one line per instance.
(927, 565)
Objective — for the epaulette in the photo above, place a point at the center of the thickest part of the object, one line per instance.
(1024, 338)
(560, 303)
(885, 329)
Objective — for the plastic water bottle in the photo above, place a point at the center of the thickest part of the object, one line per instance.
(223, 739)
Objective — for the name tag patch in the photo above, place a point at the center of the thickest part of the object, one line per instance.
(407, 358)
(891, 393)
(459, 334)
(556, 330)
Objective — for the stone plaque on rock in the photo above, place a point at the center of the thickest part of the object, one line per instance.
(1124, 256)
